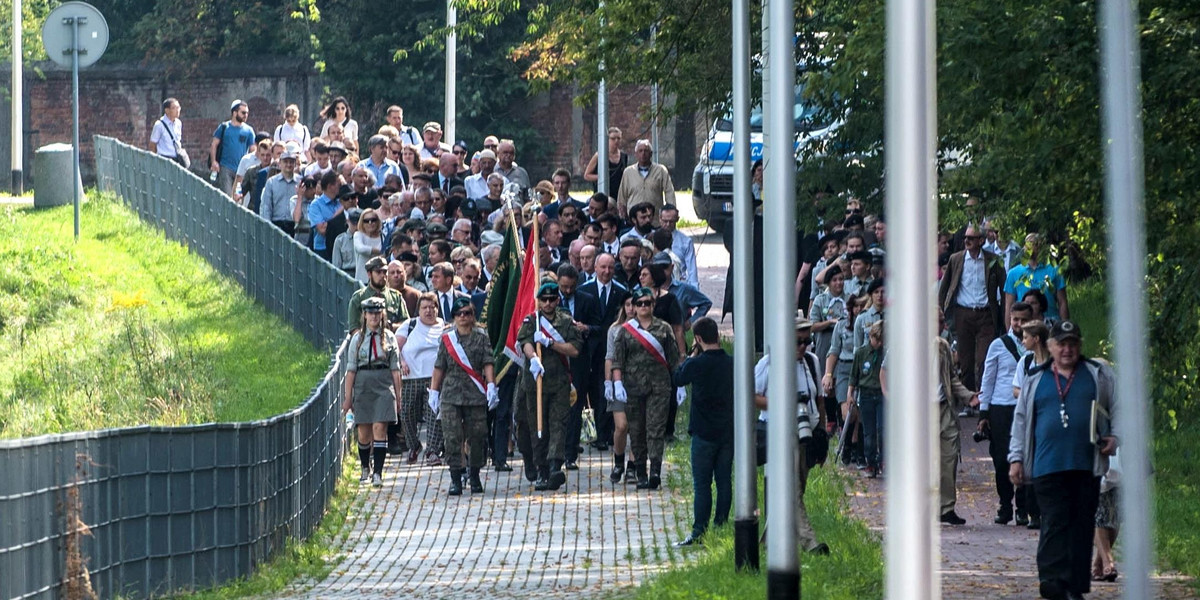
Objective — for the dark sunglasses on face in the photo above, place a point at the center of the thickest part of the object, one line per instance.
(370, 220)
(803, 341)
(644, 303)
(854, 211)
(465, 313)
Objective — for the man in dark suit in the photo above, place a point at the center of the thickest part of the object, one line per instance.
(610, 297)
(587, 315)
(970, 293)
(441, 282)
(447, 176)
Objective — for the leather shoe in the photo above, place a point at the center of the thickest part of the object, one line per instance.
(952, 518)
(502, 467)
(1002, 517)
(1022, 519)
(571, 466)
(689, 541)
(1051, 590)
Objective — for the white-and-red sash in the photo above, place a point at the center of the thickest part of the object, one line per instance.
(549, 331)
(647, 341)
(455, 350)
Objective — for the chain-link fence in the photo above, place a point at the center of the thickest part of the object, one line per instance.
(144, 511)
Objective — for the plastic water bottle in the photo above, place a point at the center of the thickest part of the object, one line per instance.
(212, 177)
(350, 421)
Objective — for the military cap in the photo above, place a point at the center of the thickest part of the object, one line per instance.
(436, 228)
(640, 292)
(408, 257)
(548, 289)
(412, 224)
(460, 303)
(874, 285)
(373, 304)
(662, 258)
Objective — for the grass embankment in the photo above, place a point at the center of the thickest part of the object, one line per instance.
(852, 571)
(126, 327)
(1175, 449)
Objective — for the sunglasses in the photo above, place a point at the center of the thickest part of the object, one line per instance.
(548, 299)
(465, 313)
(803, 341)
(461, 152)
(973, 237)
(370, 220)
(644, 303)
(854, 211)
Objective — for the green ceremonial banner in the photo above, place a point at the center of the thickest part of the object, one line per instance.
(502, 300)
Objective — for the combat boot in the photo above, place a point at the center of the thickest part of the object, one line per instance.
(655, 479)
(557, 477)
(455, 482)
(618, 470)
(543, 479)
(476, 484)
(640, 471)
(531, 473)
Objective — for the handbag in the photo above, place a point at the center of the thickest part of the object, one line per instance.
(181, 155)
(587, 430)
(818, 448)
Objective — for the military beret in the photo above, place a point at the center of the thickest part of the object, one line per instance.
(874, 285)
(862, 255)
(548, 289)
(460, 303)
(436, 229)
(408, 257)
(640, 292)
(376, 263)
(373, 304)
(832, 272)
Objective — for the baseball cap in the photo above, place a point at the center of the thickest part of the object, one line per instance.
(432, 126)
(1065, 329)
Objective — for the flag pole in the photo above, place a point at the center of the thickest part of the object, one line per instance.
(537, 274)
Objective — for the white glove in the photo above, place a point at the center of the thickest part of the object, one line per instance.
(608, 391)
(619, 392)
(493, 396)
(435, 401)
(543, 339)
(680, 395)
(535, 367)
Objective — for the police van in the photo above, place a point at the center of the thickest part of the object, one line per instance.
(712, 179)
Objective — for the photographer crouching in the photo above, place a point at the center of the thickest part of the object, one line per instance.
(810, 425)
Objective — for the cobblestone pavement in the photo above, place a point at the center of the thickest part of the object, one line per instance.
(414, 541)
(982, 560)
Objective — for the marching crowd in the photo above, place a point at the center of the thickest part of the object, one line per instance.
(420, 223)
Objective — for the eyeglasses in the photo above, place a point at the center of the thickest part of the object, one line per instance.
(459, 261)
(803, 341)
(644, 303)
(490, 146)
(370, 220)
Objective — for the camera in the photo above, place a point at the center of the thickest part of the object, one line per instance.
(980, 436)
(803, 421)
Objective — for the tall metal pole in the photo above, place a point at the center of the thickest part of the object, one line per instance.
(911, 110)
(765, 55)
(745, 521)
(451, 72)
(779, 242)
(74, 23)
(602, 124)
(18, 126)
(1124, 179)
(654, 98)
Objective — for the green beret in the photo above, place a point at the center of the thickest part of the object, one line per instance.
(548, 289)
(436, 229)
(460, 303)
(640, 292)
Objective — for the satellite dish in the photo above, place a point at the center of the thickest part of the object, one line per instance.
(58, 34)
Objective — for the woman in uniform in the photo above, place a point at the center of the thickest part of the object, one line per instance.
(463, 369)
(418, 339)
(372, 378)
(620, 426)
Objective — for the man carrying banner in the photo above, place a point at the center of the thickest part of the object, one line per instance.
(463, 369)
(553, 329)
(644, 358)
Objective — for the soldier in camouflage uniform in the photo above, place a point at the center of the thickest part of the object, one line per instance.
(561, 343)
(465, 417)
(642, 378)
(377, 287)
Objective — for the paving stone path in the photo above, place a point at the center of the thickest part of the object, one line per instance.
(414, 541)
(982, 560)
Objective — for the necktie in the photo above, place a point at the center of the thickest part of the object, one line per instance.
(446, 185)
(445, 306)
(604, 296)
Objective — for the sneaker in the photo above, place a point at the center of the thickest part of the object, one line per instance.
(366, 475)
(432, 460)
(376, 480)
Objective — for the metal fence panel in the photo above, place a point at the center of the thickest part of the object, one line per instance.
(180, 508)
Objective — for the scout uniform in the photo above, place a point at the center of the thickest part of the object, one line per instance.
(646, 373)
(462, 358)
(547, 451)
(373, 358)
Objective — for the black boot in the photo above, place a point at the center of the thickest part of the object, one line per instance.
(531, 473)
(618, 470)
(655, 479)
(557, 477)
(543, 479)
(476, 485)
(455, 482)
(631, 472)
(643, 482)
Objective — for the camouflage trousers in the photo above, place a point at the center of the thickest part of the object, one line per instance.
(465, 423)
(555, 405)
(647, 414)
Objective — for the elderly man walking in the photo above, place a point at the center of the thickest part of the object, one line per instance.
(645, 182)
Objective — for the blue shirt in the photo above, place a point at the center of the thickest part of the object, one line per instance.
(691, 299)
(1046, 278)
(321, 211)
(236, 141)
(389, 167)
(1058, 448)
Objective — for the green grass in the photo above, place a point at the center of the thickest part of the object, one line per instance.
(853, 571)
(125, 328)
(314, 559)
